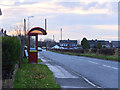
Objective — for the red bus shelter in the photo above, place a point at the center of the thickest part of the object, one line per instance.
(33, 43)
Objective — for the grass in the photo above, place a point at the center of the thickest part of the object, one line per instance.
(33, 50)
(38, 60)
(34, 76)
(90, 55)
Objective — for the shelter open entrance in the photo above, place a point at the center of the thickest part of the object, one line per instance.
(33, 43)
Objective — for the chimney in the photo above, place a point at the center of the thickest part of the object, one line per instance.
(2, 30)
(5, 32)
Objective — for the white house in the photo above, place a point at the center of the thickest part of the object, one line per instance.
(55, 47)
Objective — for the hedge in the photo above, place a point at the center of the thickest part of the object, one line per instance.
(103, 51)
(70, 50)
(94, 50)
(10, 55)
(107, 51)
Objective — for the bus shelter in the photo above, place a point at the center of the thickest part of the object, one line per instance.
(33, 43)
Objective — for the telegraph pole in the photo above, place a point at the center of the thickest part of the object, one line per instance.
(53, 38)
(25, 31)
(0, 12)
(45, 24)
(61, 33)
(25, 27)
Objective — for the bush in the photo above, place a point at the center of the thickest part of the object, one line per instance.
(78, 51)
(107, 51)
(10, 55)
(86, 50)
(70, 50)
(94, 50)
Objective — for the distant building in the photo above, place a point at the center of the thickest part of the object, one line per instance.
(68, 43)
(93, 43)
(105, 43)
(56, 47)
(115, 44)
(3, 33)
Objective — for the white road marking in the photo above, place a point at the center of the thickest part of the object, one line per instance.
(93, 62)
(109, 66)
(71, 87)
(89, 82)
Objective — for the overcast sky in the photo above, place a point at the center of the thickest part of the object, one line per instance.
(78, 19)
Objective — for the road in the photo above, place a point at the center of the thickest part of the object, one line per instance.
(97, 72)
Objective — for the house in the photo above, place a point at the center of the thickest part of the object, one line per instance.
(93, 43)
(55, 47)
(105, 43)
(3, 33)
(68, 43)
(115, 44)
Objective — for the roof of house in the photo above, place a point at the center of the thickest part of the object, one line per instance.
(68, 41)
(56, 46)
(104, 42)
(116, 43)
(94, 42)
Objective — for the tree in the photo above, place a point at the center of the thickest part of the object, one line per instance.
(85, 44)
(99, 45)
(18, 29)
(49, 42)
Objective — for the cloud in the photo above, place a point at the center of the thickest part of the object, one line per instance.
(15, 13)
(53, 32)
(87, 1)
(91, 10)
(21, 1)
(92, 27)
(19, 24)
(106, 27)
(7, 2)
(104, 32)
(54, 7)
(110, 37)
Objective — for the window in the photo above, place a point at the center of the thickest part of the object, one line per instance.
(33, 42)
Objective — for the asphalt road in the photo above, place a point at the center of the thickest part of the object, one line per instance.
(100, 72)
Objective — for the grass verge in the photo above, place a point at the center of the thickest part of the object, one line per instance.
(90, 55)
(34, 76)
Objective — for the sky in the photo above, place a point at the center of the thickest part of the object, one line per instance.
(92, 19)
